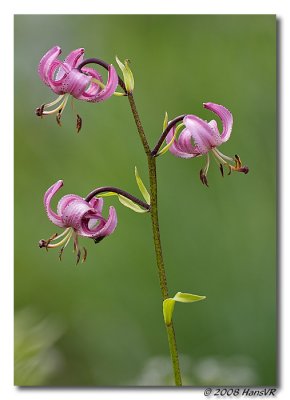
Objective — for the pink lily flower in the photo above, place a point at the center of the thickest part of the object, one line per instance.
(79, 218)
(200, 137)
(65, 79)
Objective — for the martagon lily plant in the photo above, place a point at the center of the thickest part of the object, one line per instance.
(185, 136)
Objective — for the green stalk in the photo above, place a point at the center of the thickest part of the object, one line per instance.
(156, 237)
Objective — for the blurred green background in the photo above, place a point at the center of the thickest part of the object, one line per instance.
(100, 323)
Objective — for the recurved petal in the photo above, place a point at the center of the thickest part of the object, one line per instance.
(72, 60)
(110, 225)
(75, 57)
(93, 89)
(73, 214)
(46, 62)
(214, 126)
(65, 201)
(97, 204)
(91, 223)
(110, 87)
(94, 225)
(202, 133)
(56, 75)
(54, 218)
(185, 143)
(226, 117)
(175, 148)
(75, 83)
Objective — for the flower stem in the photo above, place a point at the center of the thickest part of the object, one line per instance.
(105, 189)
(165, 133)
(102, 64)
(156, 236)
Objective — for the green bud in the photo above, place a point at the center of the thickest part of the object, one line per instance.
(127, 75)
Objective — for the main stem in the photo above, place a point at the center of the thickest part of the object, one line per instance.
(156, 237)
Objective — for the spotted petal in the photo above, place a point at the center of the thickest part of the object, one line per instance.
(97, 204)
(54, 218)
(175, 148)
(46, 62)
(102, 229)
(93, 89)
(72, 60)
(65, 201)
(74, 213)
(204, 136)
(226, 117)
(105, 93)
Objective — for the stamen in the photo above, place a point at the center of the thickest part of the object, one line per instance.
(79, 119)
(223, 161)
(238, 166)
(222, 169)
(78, 256)
(59, 108)
(47, 243)
(222, 156)
(84, 255)
(79, 123)
(58, 117)
(57, 100)
(39, 110)
(203, 177)
(64, 246)
(203, 172)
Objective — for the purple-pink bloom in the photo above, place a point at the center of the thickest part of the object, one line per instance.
(65, 79)
(200, 137)
(79, 218)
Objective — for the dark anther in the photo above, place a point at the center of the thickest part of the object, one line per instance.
(42, 243)
(244, 169)
(45, 243)
(203, 177)
(78, 256)
(84, 255)
(222, 169)
(58, 117)
(97, 240)
(60, 253)
(79, 123)
(39, 110)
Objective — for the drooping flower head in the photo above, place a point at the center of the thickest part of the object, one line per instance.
(79, 218)
(64, 79)
(200, 137)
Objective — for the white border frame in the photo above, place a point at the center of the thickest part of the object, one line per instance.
(278, 7)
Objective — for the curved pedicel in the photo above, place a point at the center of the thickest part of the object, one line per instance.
(165, 133)
(106, 189)
(102, 64)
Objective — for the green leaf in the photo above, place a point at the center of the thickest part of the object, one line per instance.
(107, 194)
(167, 147)
(168, 307)
(142, 187)
(187, 297)
(130, 204)
(168, 304)
(127, 74)
(165, 122)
